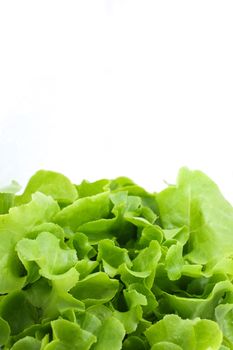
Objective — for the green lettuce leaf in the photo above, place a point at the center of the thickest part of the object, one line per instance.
(50, 183)
(111, 335)
(4, 331)
(84, 210)
(46, 251)
(14, 226)
(97, 288)
(68, 335)
(197, 203)
(27, 343)
(194, 334)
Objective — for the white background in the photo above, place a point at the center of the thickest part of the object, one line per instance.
(105, 88)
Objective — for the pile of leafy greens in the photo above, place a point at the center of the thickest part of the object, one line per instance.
(106, 265)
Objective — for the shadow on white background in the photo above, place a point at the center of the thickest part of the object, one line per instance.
(106, 88)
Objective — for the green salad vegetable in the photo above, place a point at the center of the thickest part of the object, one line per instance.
(106, 265)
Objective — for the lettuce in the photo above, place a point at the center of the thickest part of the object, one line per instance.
(195, 334)
(106, 265)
